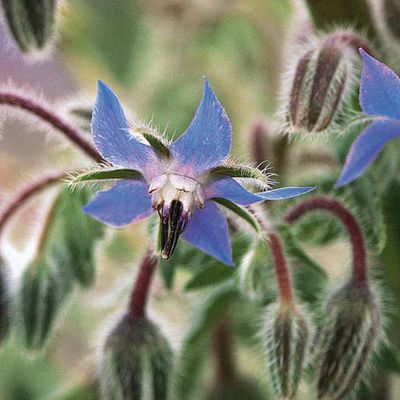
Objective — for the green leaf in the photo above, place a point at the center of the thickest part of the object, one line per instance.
(240, 211)
(210, 271)
(240, 171)
(209, 275)
(105, 174)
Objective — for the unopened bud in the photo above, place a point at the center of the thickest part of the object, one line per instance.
(256, 274)
(31, 22)
(41, 295)
(239, 388)
(320, 83)
(137, 361)
(286, 337)
(347, 340)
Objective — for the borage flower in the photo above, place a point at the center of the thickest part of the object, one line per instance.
(182, 180)
(379, 99)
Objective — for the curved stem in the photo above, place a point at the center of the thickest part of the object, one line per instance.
(360, 273)
(25, 194)
(16, 100)
(141, 287)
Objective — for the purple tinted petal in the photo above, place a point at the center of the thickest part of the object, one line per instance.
(111, 136)
(366, 148)
(126, 202)
(379, 88)
(285, 193)
(208, 231)
(229, 189)
(207, 141)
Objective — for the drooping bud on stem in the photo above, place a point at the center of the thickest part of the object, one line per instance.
(31, 22)
(286, 329)
(350, 331)
(320, 81)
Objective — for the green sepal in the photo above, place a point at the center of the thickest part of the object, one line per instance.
(240, 171)
(155, 140)
(240, 211)
(104, 174)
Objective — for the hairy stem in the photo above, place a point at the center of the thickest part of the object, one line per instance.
(26, 104)
(25, 194)
(281, 268)
(223, 351)
(360, 274)
(141, 287)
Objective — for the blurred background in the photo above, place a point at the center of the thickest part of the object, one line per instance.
(154, 54)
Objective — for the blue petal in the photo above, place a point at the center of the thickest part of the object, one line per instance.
(229, 189)
(379, 88)
(207, 141)
(126, 202)
(208, 231)
(111, 136)
(285, 193)
(366, 148)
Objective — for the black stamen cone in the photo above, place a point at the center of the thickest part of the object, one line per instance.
(172, 226)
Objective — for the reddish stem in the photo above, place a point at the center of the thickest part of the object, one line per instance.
(141, 288)
(360, 274)
(25, 194)
(223, 351)
(281, 269)
(259, 143)
(16, 100)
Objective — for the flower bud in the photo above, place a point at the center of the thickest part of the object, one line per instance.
(137, 361)
(239, 388)
(256, 274)
(320, 83)
(347, 340)
(31, 22)
(286, 340)
(41, 295)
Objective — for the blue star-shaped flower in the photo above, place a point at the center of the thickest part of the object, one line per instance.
(180, 183)
(380, 99)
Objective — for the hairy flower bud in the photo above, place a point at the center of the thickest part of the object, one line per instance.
(286, 336)
(320, 81)
(346, 341)
(137, 361)
(256, 275)
(41, 295)
(31, 22)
